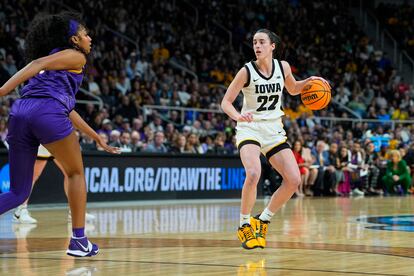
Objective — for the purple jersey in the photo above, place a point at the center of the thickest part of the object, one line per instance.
(61, 85)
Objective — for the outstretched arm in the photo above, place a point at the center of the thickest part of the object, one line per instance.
(63, 60)
(231, 94)
(80, 124)
(293, 86)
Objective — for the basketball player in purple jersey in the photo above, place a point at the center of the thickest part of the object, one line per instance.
(56, 46)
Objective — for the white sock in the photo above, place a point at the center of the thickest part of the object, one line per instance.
(244, 219)
(266, 215)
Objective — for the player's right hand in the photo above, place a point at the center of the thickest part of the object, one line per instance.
(245, 117)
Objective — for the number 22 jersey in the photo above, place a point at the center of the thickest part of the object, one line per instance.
(262, 95)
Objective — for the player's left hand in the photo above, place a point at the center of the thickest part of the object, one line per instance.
(321, 79)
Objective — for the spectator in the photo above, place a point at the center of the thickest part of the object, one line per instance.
(344, 186)
(325, 180)
(10, 65)
(87, 143)
(123, 83)
(136, 143)
(193, 144)
(93, 86)
(371, 166)
(125, 142)
(179, 144)
(158, 144)
(106, 127)
(208, 144)
(125, 126)
(114, 137)
(156, 124)
(126, 109)
(397, 178)
(332, 168)
(218, 145)
(357, 174)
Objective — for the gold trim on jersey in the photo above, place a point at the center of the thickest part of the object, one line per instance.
(276, 145)
(248, 139)
(75, 71)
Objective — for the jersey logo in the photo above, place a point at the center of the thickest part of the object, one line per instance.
(256, 80)
(268, 88)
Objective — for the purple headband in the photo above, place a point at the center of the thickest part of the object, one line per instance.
(73, 27)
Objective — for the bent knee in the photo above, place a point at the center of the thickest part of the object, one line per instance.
(293, 181)
(74, 174)
(253, 175)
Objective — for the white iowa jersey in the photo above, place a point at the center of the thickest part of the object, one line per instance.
(263, 96)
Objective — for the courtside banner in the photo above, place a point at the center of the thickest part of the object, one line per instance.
(146, 177)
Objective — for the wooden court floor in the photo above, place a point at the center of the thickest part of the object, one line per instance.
(325, 236)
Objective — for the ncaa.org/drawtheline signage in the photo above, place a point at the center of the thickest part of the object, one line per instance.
(146, 177)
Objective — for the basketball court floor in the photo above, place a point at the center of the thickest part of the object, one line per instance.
(311, 236)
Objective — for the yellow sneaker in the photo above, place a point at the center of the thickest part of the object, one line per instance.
(247, 237)
(260, 230)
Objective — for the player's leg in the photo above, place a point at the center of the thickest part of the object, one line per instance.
(67, 152)
(285, 163)
(21, 162)
(22, 155)
(21, 214)
(88, 217)
(250, 157)
(65, 177)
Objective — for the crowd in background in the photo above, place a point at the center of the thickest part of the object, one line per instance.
(399, 19)
(127, 76)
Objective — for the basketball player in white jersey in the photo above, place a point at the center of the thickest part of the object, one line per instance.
(21, 214)
(260, 130)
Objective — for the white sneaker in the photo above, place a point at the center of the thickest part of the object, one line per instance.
(88, 217)
(357, 192)
(22, 215)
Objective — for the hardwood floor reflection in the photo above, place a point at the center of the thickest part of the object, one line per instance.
(337, 236)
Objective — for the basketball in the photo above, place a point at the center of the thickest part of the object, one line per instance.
(316, 95)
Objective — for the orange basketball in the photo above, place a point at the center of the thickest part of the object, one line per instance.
(316, 95)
